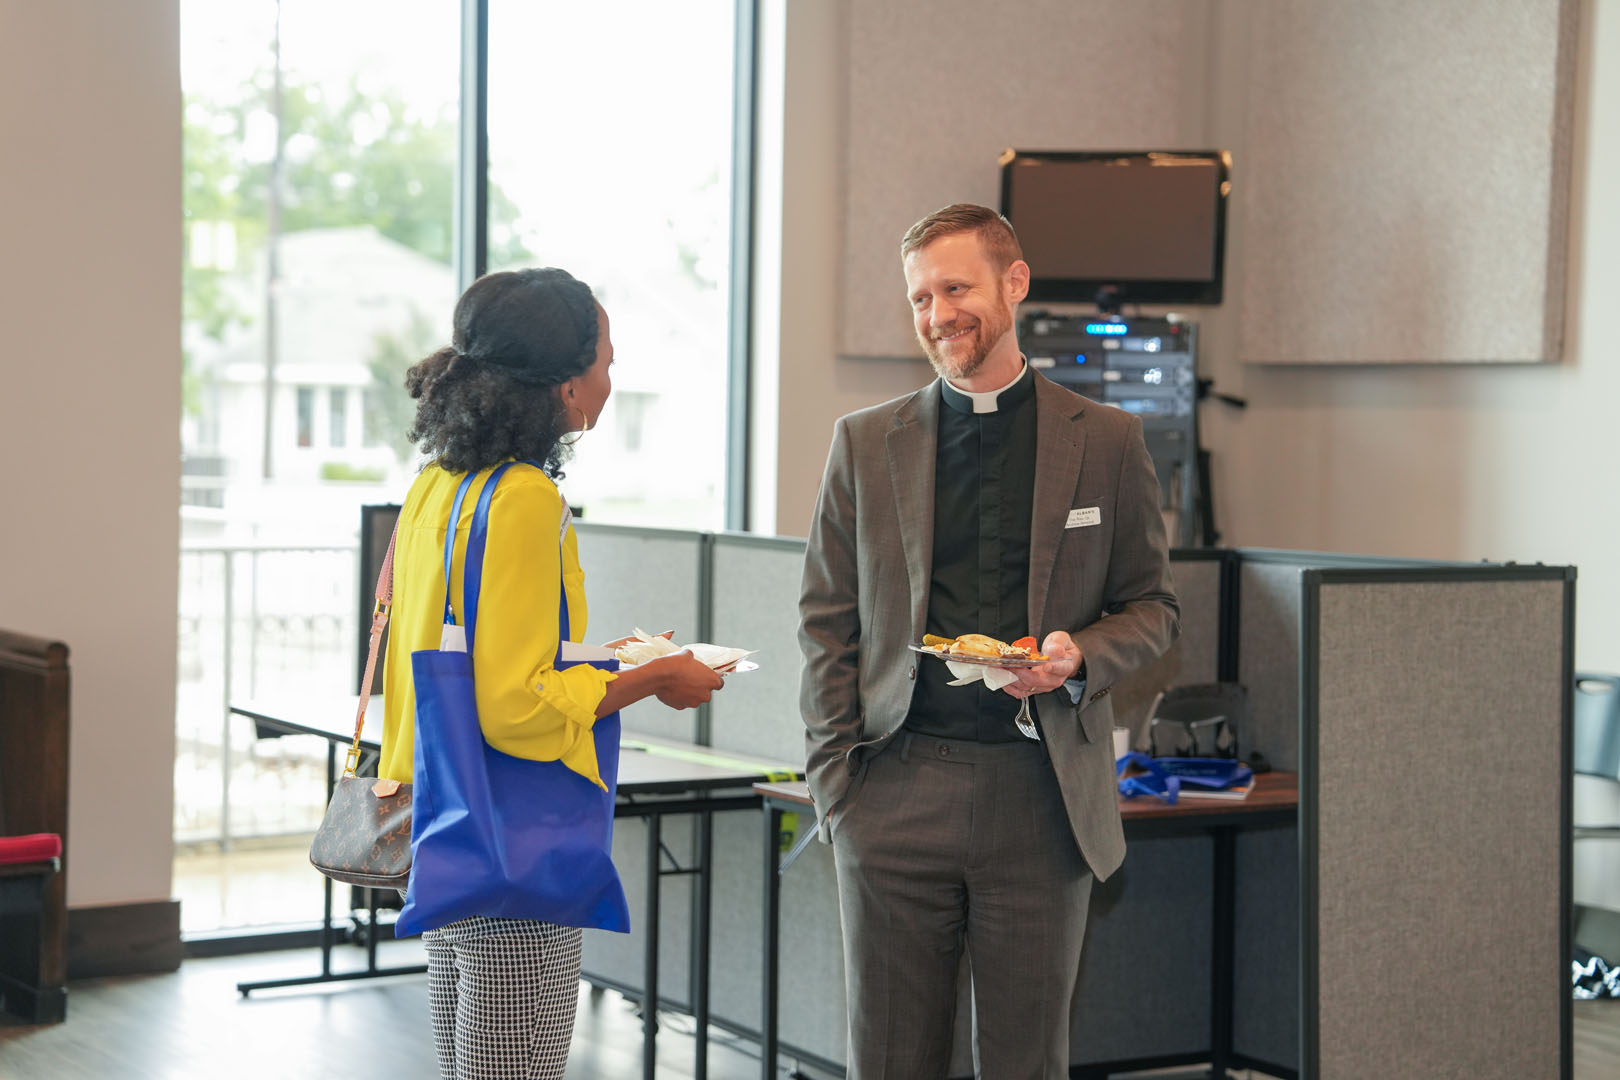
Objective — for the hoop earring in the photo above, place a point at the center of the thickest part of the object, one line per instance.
(579, 432)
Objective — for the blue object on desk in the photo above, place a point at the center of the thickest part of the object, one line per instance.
(1165, 777)
(494, 834)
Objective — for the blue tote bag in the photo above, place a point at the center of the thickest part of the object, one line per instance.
(1167, 777)
(493, 834)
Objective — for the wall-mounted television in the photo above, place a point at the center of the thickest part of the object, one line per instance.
(1113, 227)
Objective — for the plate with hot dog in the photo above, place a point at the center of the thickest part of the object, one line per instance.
(984, 650)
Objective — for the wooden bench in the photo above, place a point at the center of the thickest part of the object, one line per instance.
(33, 827)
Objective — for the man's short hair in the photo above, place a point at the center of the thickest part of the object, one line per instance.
(996, 234)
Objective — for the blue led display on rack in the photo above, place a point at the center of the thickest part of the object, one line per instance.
(1106, 329)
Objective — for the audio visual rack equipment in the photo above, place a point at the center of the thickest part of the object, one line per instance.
(1148, 367)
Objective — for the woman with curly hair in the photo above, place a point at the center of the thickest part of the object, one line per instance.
(527, 365)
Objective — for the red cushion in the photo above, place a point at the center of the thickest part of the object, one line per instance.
(35, 847)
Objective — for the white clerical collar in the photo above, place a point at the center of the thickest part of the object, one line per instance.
(985, 401)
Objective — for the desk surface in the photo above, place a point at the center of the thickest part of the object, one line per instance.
(647, 764)
(1273, 792)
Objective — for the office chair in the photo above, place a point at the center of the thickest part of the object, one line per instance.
(1198, 720)
(1596, 926)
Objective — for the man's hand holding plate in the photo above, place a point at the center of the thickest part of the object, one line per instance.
(1062, 664)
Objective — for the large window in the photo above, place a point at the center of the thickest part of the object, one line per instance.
(320, 154)
(610, 128)
(321, 164)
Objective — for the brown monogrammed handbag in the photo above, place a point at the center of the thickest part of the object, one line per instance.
(365, 837)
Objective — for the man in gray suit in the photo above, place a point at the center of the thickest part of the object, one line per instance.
(993, 501)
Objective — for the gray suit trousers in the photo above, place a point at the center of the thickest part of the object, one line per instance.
(945, 846)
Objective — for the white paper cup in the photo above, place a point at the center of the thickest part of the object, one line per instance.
(1122, 742)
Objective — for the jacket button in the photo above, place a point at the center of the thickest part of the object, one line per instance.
(911, 673)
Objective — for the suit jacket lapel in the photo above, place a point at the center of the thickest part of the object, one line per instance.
(912, 441)
(1060, 444)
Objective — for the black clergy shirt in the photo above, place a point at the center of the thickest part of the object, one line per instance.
(984, 495)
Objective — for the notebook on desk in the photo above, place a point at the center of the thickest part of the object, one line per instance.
(1237, 791)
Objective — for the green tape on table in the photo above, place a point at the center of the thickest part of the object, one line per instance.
(697, 757)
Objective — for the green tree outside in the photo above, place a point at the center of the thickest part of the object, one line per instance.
(361, 159)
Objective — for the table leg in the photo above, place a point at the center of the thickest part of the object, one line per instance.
(371, 929)
(1223, 966)
(773, 910)
(649, 992)
(328, 936)
(700, 1004)
(326, 882)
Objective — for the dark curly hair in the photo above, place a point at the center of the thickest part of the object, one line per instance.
(492, 394)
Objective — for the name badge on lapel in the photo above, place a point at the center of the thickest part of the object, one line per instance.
(1082, 516)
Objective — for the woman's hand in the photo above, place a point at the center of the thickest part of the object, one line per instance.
(684, 682)
(678, 680)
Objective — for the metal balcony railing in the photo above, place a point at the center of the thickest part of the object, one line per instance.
(256, 620)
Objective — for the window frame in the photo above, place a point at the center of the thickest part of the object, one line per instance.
(471, 217)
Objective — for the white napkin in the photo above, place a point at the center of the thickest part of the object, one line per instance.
(645, 647)
(650, 647)
(717, 656)
(966, 674)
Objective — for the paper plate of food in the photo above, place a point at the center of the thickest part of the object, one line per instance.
(643, 646)
(982, 649)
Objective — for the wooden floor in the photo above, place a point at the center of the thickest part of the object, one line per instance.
(194, 1024)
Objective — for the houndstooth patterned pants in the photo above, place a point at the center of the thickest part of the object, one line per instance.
(502, 993)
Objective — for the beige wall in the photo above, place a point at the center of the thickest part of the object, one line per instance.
(90, 404)
(1457, 462)
(1461, 463)
(813, 386)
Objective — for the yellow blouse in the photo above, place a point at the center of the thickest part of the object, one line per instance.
(526, 707)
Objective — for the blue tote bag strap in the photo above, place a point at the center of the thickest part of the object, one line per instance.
(450, 542)
(1154, 781)
(478, 537)
(473, 576)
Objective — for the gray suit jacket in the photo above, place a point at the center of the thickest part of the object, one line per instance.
(864, 596)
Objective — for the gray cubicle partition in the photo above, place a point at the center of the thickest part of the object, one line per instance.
(1265, 637)
(755, 583)
(1265, 649)
(376, 534)
(1421, 897)
(1434, 821)
(654, 579)
(1267, 633)
(755, 605)
(1203, 581)
(1142, 930)
(1423, 894)
(1139, 927)
(651, 578)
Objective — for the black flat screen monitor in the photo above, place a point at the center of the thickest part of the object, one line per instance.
(1131, 226)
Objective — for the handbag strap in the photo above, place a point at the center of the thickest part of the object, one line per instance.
(379, 623)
